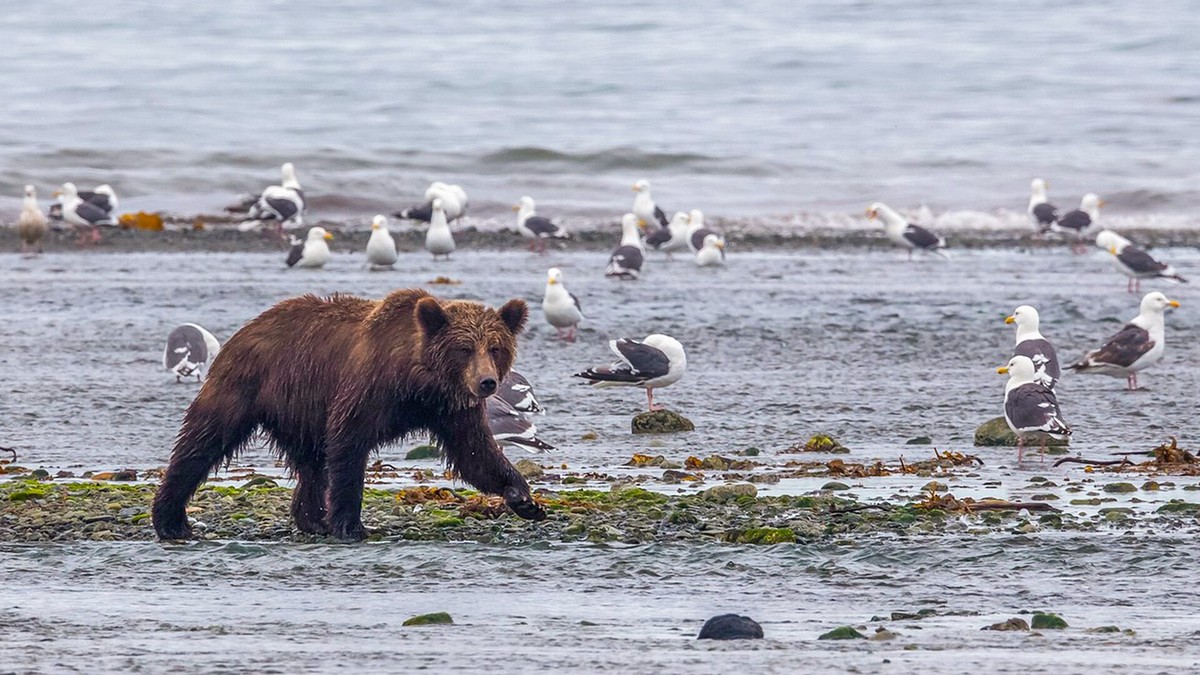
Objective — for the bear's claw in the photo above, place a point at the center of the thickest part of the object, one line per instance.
(523, 505)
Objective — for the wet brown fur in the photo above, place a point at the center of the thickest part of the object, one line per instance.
(328, 380)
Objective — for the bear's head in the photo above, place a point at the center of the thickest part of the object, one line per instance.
(473, 343)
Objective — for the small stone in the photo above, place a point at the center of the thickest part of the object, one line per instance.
(589, 436)
(751, 452)
(1103, 629)
(434, 619)
(767, 536)
(882, 633)
(722, 493)
(260, 481)
(1120, 487)
(843, 633)
(919, 440)
(934, 486)
(39, 474)
(834, 486)
(1047, 622)
(730, 627)
(822, 443)
(424, 452)
(1151, 486)
(1015, 623)
(995, 433)
(530, 469)
(661, 422)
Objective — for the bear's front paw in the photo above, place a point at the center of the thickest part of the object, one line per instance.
(523, 505)
(349, 532)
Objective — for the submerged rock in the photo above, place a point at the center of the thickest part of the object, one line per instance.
(843, 633)
(1120, 487)
(721, 493)
(437, 618)
(529, 469)
(731, 627)
(820, 443)
(1047, 622)
(767, 536)
(1015, 623)
(661, 422)
(424, 452)
(995, 432)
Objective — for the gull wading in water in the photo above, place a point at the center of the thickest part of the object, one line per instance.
(1133, 262)
(655, 362)
(1042, 214)
(438, 239)
(31, 224)
(1030, 407)
(313, 252)
(626, 260)
(535, 227)
(381, 247)
(906, 234)
(1079, 222)
(1135, 347)
(560, 306)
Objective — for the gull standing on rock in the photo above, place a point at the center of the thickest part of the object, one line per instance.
(1133, 262)
(906, 234)
(655, 362)
(311, 253)
(535, 227)
(712, 254)
(438, 239)
(381, 248)
(560, 306)
(1079, 222)
(1030, 407)
(1135, 347)
(626, 260)
(1042, 214)
(284, 203)
(31, 224)
(1032, 345)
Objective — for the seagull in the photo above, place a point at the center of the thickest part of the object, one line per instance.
(454, 203)
(668, 239)
(1041, 212)
(1135, 347)
(438, 239)
(535, 227)
(1032, 345)
(190, 350)
(284, 203)
(510, 426)
(712, 254)
(102, 196)
(560, 306)
(904, 233)
(644, 207)
(313, 252)
(697, 231)
(1030, 408)
(1133, 262)
(31, 224)
(78, 212)
(1079, 221)
(381, 248)
(518, 393)
(652, 363)
(626, 261)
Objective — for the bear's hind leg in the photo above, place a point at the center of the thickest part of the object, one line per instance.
(308, 499)
(213, 429)
(346, 469)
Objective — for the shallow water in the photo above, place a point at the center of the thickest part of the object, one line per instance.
(864, 345)
(776, 108)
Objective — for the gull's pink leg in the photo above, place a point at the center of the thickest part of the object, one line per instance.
(1020, 448)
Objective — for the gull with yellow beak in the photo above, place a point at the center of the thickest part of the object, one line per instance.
(381, 247)
(535, 227)
(1081, 221)
(1135, 347)
(1033, 346)
(1133, 262)
(644, 207)
(1030, 408)
(1041, 212)
(906, 234)
(311, 253)
(712, 253)
(560, 306)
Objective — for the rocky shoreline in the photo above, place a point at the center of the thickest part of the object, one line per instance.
(40, 511)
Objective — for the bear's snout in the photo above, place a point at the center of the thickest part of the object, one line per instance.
(487, 385)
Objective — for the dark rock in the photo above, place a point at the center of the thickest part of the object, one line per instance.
(661, 422)
(1047, 622)
(919, 440)
(834, 486)
(767, 535)
(721, 493)
(529, 469)
(1120, 487)
(424, 452)
(429, 619)
(1015, 623)
(843, 633)
(995, 432)
(259, 481)
(731, 627)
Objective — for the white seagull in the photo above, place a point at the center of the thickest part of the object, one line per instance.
(1030, 407)
(31, 224)
(1080, 221)
(652, 363)
(626, 260)
(438, 239)
(535, 227)
(1133, 262)
(1032, 345)
(284, 203)
(560, 306)
(454, 203)
(381, 248)
(190, 351)
(82, 213)
(313, 252)
(1042, 213)
(1135, 347)
(712, 254)
(906, 234)
(697, 231)
(518, 393)
(644, 207)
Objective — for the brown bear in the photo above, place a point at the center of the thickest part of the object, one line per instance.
(328, 380)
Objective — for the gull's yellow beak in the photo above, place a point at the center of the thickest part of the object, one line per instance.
(1112, 250)
(1102, 203)
(551, 280)
(1010, 319)
(329, 236)
(1173, 303)
(641, 223)
(721, 245)
(58, 193)
(516, 207)
(375, 226)
(635, 188)
(872, 214)
(1003, 370)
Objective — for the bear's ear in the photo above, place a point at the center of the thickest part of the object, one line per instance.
(513, 314)
(431, 316)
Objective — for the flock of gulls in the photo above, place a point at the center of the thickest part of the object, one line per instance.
(1031, 405)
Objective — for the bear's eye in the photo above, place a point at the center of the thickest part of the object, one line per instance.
(496, 352)
(462, 350)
